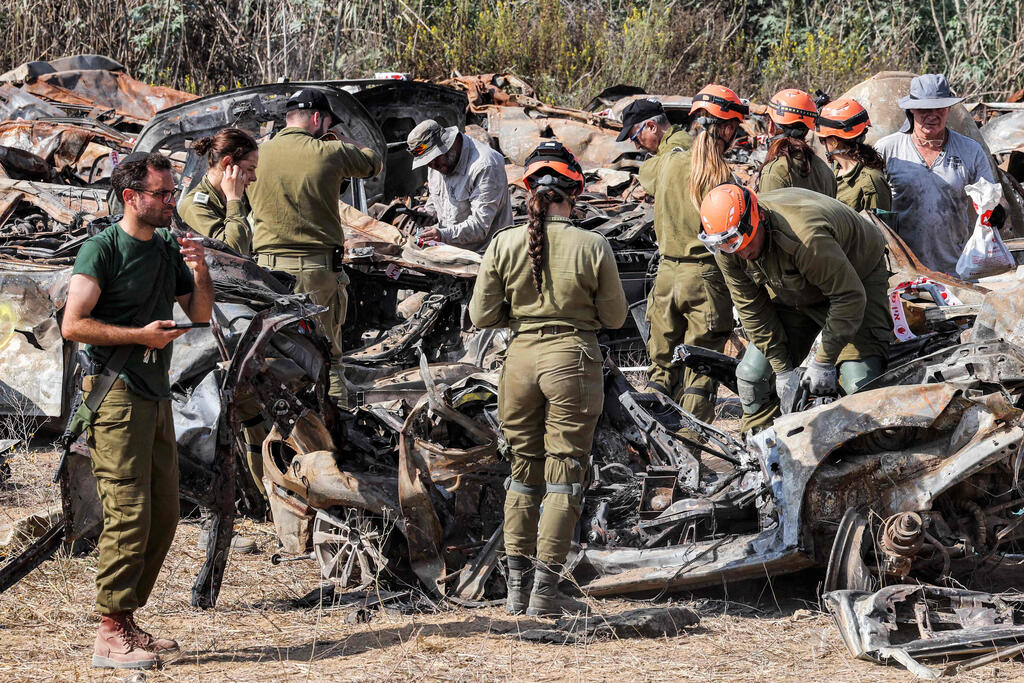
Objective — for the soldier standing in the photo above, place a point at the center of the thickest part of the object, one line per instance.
(553, 285)
(296, 221)
(859, 169)
(120, 299)
(790, 161)
(217, 206)
(689, 303)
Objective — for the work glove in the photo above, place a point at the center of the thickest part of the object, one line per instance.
(781, 380)
(821, 379)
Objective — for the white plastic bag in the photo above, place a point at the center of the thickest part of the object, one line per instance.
(984, 254)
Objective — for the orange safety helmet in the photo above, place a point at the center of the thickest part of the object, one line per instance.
(791, 107)
(845, 118)
(729, 218)
(719, 102)
(551, 164)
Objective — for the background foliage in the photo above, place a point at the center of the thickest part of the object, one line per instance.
(568, 50)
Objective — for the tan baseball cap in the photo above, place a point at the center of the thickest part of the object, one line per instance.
(429, 140)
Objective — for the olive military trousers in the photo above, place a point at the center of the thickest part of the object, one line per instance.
(689, 304)
(550, 396)
(135, 460)
(860, 361)
(315, 277)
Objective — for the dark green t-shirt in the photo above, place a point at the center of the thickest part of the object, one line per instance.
(126, 269)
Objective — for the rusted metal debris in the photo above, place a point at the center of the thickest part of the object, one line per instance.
(915, 478)
(931, 630)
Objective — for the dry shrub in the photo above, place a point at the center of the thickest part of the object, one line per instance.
(569, 50)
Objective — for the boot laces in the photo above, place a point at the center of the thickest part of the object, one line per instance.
(142, 636)
(126, 633)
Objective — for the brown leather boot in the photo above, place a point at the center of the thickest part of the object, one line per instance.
(161, 646)
(117, 646)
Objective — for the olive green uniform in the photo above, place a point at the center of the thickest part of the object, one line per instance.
(297, 225)
(550, 393)
(205, 211)
(777, 174)
(822, 268)
(863, 189)
(131, 440)
(689, 303)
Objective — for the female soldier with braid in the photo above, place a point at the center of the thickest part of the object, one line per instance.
(217, 206)
(553, 285)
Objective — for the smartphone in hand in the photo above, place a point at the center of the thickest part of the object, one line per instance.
(187, 326)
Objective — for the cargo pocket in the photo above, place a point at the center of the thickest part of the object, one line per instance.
(717, 300)
(589, 376)
(341, 294)
(109, 437)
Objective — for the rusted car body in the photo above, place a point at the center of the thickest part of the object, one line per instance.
(410, 484)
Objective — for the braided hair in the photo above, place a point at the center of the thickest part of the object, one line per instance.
(536, 211)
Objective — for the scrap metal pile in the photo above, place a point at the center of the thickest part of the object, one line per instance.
(910, 487)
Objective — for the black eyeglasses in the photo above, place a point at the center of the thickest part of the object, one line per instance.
(164, 196)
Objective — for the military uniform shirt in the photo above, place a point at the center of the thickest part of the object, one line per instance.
(777, 174)
(863, 189)
(580, 281)
(295, 195)
(126, 270)
(205, 211)
(817, 253)
(666, 175)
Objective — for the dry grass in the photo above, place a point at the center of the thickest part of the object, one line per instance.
(256, 634)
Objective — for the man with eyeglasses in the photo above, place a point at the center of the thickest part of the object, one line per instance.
(798, 263)
(120, 302)
(466, 184)
(297, 224)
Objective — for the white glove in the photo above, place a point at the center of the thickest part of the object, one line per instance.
(781, 380)
(821, 379)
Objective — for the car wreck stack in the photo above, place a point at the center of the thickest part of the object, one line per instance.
(916, 479)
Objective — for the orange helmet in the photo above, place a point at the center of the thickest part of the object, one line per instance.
(719, 102)
(729, 218)
(552, 165)
(844, 118)
(791, 107)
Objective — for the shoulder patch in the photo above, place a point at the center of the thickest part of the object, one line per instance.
(201, 198)
(506, 229)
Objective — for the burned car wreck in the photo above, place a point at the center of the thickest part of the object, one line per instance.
(916, 478)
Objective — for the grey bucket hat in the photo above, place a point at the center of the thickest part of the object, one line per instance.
(930, 91)
(429, 140)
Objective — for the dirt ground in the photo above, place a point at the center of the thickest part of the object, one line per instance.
(761, 630)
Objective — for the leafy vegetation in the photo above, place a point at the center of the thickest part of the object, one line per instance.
(568, 50)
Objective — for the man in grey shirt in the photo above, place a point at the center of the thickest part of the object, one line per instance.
(928, 167)
(467, 185)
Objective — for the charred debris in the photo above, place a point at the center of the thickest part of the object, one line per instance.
(903, 493)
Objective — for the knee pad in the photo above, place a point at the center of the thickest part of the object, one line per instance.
(853, 374)
(519, 487)
(753, 381)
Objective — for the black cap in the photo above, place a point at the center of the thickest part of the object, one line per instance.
(636, 112)
(314, 100)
